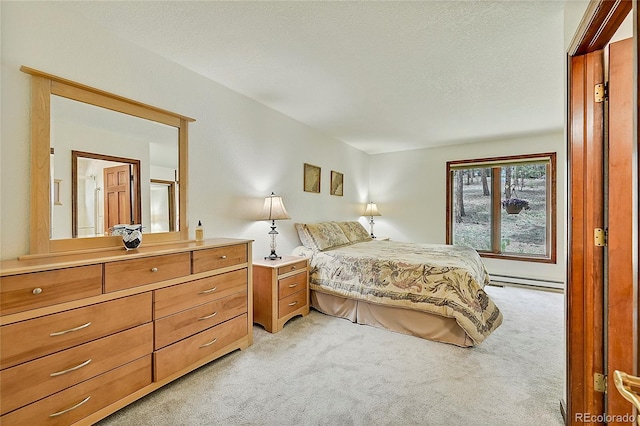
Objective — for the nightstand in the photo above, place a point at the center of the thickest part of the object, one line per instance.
(280, 291)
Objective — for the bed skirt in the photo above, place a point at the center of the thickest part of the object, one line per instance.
(416, 323)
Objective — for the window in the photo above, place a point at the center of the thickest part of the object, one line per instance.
(504, 207)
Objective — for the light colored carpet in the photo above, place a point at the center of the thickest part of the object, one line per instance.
(321, 370)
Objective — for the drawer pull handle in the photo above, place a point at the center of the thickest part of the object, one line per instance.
(37, 290)
(80, 327)
(293, 303)
(69, 370)
(211, 290)
(223, 257)
(293, 285)
(59, 413)
(208, 316)
(210, 343)
(154, 269)
(293, 267)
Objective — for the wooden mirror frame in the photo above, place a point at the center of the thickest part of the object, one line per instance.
(44, 85)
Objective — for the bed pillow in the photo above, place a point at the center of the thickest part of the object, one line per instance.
(321, 236)
(354, 231)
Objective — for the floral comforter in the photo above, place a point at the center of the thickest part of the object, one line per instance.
(440, 279)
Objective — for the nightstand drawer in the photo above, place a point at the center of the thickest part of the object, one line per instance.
(177, 298)
(60, 331)
(293, 284)
(292, 303)
(186, 323)
(79, 401)
(299, 266)
(35, 290)
(174, 358)
(137, 272)
(37, 379)
(220, 257)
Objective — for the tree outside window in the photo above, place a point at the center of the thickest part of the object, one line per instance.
(503, 207)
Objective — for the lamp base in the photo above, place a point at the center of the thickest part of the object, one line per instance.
(273, 256)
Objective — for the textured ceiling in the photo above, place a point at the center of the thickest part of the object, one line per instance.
(381, 76)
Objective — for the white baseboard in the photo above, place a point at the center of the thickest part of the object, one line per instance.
(526, 282)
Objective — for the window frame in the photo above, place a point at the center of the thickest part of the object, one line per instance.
(496, 206)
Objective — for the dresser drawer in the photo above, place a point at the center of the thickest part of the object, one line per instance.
(79, 401)
(293, 284)
(35, 290)
(299, 266)
(177, 298)
(178, 356)
(135, 272)
(219, 257)
(27, 340)
(44, 376)
(186, 323)
(292, 303)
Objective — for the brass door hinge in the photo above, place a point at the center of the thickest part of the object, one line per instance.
(599, 237)
(600, 93)
(599, 382)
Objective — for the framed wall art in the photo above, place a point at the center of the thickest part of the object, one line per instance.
(337, 180)
(311, 178)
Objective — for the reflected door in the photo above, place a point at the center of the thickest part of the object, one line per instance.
(117, 196)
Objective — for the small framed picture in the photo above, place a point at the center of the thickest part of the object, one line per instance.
(337, 179)
(311, 178)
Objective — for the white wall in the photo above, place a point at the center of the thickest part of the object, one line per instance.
(239, 150)
(410, 191)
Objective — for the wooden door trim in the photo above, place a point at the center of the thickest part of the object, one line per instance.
(600, 22)
(585, 292)
(635, 16)
(621, 230)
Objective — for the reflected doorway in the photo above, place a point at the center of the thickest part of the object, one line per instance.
(163, 205)
(105, 192)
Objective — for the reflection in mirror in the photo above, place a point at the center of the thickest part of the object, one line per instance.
(163, 205)
(106, 137)
(106, 192)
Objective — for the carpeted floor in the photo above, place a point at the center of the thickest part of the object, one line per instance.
(321, 370)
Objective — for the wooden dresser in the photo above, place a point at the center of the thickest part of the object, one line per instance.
(83, 335)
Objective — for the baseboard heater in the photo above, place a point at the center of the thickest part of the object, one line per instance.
(497, 279)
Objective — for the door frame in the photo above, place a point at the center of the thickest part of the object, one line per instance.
(136, 186)
(584, 347)
(585, 267)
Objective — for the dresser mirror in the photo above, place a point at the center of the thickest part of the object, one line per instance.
(99, 160)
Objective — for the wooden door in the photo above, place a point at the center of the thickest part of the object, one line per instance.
(117, 195)
(585, 293)
(621, 323)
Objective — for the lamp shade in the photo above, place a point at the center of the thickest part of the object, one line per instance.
(273, 209)
(371, 210)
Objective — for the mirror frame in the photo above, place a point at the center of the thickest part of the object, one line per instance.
(44, 85)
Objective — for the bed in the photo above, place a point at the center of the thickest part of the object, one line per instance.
(431, 291)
